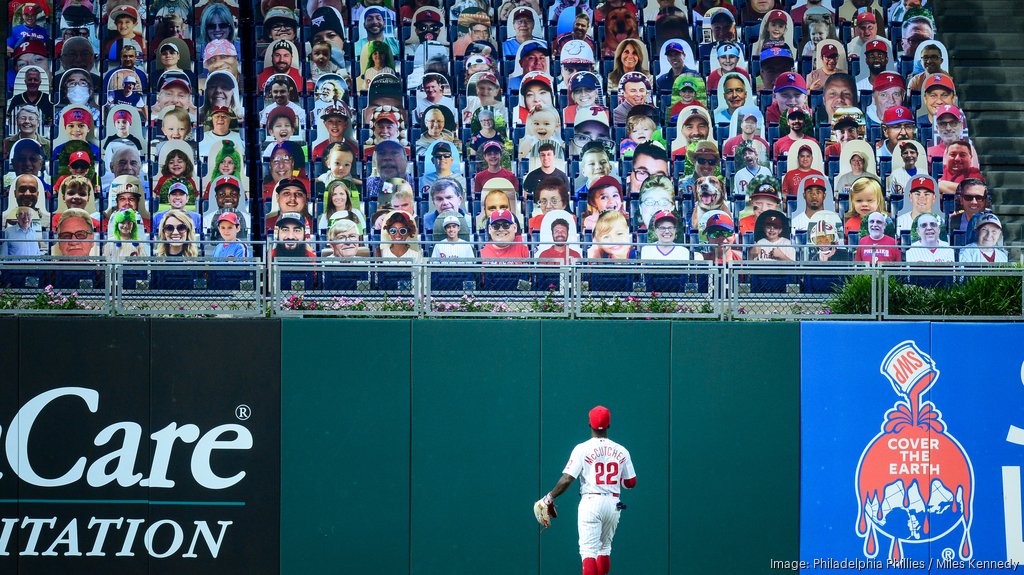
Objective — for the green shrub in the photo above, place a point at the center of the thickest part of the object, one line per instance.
(975, 296)
(852, 297)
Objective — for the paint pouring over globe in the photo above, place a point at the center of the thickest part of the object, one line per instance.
(914, 480)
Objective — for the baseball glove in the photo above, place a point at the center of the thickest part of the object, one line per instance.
(544, 510)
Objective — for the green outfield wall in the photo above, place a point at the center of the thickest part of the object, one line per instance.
(418, 446)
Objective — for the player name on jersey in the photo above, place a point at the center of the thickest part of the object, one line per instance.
(605, 451)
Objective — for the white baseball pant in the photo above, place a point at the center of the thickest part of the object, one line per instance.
(597, 520)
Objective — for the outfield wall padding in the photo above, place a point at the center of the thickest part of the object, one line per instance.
(418, 446)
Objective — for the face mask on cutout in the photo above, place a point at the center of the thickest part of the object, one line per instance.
(78, 94)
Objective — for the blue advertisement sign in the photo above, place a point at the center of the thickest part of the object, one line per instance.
(911, 447)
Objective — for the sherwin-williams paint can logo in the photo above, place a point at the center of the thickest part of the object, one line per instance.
(915, 482)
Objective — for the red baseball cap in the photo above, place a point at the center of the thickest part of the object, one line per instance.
(829, 51)
(887, 80)
(948, 109)
(922, 182)
(600, 418)
(897, 115)
(428, 16)
(124, 10)
(776, 15)
(815, 181)
(226, 180)
(228, 217)
(867, 16)
(876, 46)
(79, 156)
(281, 111)
(790, 80)
(605, 181)
(33, 46)
(938, 80)
(664, 215)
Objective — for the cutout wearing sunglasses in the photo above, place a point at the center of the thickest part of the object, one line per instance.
(180, 228)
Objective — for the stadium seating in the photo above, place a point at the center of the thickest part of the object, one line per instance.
(174, 129)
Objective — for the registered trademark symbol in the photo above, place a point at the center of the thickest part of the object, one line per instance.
(947, 554)
(242, 412)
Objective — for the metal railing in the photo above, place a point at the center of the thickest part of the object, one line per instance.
(527, 288)
(770, 290)
(147, 286)
(371, 287)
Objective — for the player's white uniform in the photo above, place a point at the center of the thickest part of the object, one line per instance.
(601, 465)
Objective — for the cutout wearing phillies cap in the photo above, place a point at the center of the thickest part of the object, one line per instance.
(727, 50)
(814, 182)
(522, 12)
(78, 158)
(949, 110)
(226, 181)
(577, 52)
(791, 80)
(829, 51)
(887, 80)
(776, 16)
(897, 115)
(228, 217)
(583, 81)
(123, 115)
(866, 17)
(124, 10)
(501, 216)
(719, 219)
(664, 215)
(675, 47)
(427, 16)
(775, 52)
(600, 418)
(876, 46)
(32, 46)
(536, 76)
(938, 81)
(77, 115)
(922, 183)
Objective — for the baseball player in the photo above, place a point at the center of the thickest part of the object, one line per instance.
(603, 467)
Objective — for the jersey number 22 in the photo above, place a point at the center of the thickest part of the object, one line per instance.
(605, 474)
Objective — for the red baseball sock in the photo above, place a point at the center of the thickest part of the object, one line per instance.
(590, 566)
(604, 564)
